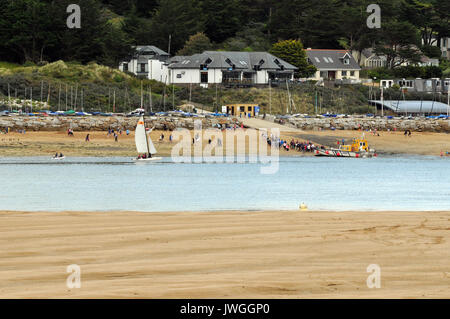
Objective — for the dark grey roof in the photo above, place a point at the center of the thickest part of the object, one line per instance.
(151, 48)
(177, 58)
(414, 106)
(330, 60)
(367, 52)
(244, 61)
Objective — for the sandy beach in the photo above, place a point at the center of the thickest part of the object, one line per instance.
(48, 143)
(289, 254)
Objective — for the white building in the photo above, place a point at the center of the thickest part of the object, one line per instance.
(214, 67)
(229, 68)
(139, 62)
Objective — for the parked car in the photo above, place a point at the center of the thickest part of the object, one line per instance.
(137, 112)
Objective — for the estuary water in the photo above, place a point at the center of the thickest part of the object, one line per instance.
(104, 184)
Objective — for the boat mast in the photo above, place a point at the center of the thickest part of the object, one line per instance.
(146, 137)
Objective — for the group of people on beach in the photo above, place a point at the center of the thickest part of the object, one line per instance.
(292, 145)
(297, 146)
(114, 134)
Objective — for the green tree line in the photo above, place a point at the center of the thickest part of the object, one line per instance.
(35, 30)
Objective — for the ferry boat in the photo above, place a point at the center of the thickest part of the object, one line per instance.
(358, 149)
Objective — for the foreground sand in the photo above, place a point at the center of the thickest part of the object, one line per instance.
(225, 254)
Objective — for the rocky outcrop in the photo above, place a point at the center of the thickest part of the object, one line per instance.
(381, 124)
(99, 123)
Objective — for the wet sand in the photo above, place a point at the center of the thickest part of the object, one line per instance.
(48, 143)
(225, 254)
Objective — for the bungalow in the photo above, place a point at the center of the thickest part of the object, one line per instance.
(333, 65)
(368, 59)
(228, 68)
(435, 85)
(138, 63)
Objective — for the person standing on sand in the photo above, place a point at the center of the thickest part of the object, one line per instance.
(116, 137)
(87, 138)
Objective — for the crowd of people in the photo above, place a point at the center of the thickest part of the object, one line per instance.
(294, 145)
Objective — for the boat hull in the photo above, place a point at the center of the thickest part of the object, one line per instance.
(151, 159)
(58, 158)
(340, 153)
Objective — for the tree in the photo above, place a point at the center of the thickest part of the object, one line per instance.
(315, 22)
(399, 42)
(222, 19)
(138, 29)
(197, 43)
(27, 28)
(177, 19)
(431, 17)
(88, 42)
(251, 38)
(292, 52)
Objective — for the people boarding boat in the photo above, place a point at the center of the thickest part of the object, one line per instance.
(358, 149)
(144, 144)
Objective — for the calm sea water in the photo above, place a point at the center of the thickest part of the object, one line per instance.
(393, 183)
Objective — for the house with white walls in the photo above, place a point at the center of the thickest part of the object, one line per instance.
(139, 62)
(333, 65)
(228, 68)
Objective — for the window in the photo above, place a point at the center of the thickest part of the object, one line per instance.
(249, 108)
(344, 73)
(407, 84)
(352, 73)
(347, 61)
(324, 74)
(125, 67)
(143, 65)
(179, 76)
(242, 108)
(204, 77)
(317, 60)
(326, 60)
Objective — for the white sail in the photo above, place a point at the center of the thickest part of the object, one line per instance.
(140, 138)
(151, 147)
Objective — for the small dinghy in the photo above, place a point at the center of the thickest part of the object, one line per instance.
(144, 144)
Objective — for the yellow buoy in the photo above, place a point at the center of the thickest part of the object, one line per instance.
(303, 206)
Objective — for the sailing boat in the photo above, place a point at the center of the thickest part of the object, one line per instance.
(144, 144)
